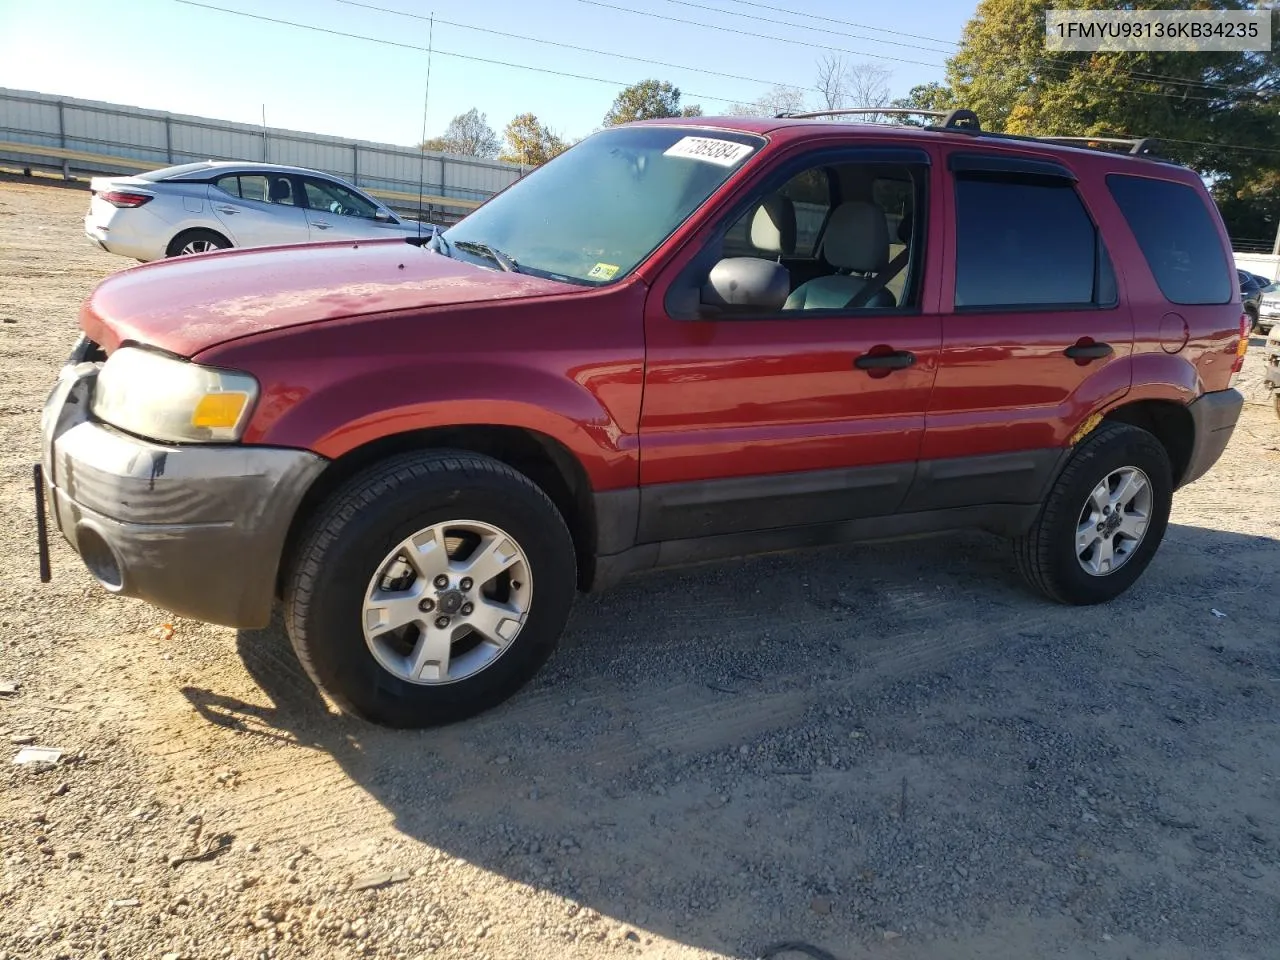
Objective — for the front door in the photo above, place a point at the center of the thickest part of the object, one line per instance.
(759, 416)
(336, 213)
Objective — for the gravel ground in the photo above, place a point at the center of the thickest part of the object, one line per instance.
(888, 751)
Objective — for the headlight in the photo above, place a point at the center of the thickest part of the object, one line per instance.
(164, 398)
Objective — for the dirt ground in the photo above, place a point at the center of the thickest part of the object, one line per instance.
(887, 751)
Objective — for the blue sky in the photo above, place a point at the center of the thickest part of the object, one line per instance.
(168, 55)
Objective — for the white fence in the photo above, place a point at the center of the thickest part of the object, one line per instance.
(85, 136)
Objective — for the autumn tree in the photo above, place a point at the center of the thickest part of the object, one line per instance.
(647, 100)
(530, 142)
(468, 135)
(1214, 111)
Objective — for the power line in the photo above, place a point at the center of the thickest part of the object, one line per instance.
(812, 29)
(570, 46)
(847, 23)
(823, 46)
(1217, 146)
(758, 36)
(438, 52)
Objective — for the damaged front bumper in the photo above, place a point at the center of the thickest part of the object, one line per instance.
(195, 529)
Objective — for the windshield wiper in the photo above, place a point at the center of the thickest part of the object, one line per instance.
(497, 256)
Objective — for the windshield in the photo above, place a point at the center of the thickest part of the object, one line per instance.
(595, 212)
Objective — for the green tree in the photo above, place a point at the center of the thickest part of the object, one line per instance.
(468, 135)
(530, 142)
(647, 100)
(1216, 112)
(924, 96)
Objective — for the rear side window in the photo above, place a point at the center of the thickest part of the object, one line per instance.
(1027, 241)
(1178, 238)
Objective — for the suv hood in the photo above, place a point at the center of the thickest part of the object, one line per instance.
(189, 304)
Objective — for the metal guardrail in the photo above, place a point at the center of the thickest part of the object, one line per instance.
(93, 137)
(102, 163)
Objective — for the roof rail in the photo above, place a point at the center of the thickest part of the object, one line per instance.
(961, 120)
(1138, 146)
(951, 119)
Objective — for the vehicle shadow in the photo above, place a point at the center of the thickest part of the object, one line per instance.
(833, 746)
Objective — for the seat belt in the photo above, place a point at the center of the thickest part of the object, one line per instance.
(880, 281)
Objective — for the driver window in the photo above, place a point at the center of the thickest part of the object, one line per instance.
(834, 238)
(337, 199)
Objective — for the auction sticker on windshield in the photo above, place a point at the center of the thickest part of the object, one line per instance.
(724, 153)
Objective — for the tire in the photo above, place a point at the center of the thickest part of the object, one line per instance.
(197, 239)
(1048, 557)
(1252, 313)
(340, 565)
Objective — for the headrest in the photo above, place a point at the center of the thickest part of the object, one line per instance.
(857, 237)
(773, 227)
(279, 189)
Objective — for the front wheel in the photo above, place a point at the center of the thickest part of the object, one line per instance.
(1103, 520)
(431, 587)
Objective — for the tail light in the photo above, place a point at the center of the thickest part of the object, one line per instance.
(1243, 345)
(123, 198)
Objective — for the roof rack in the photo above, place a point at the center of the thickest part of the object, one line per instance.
(966, 121)
(1138, 146)
(951, 119)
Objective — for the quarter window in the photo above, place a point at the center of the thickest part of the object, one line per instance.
(1179, 239)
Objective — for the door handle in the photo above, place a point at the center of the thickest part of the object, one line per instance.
(320, 224)
(898, 360)
(228, 210)
(1089, 351)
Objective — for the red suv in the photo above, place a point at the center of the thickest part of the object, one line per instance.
(679, 340)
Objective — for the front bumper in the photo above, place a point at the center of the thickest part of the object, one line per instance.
(198, 530)
(1214, 417)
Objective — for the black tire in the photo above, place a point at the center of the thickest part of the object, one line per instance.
(216, 240)
(1252, 312)
(1047, 556)
(364, 520)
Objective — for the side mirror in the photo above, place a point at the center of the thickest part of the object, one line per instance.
(382, 216)
(747, 282)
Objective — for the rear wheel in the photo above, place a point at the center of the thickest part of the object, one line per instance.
(196, 241)
(431, 587)
(1103, 520)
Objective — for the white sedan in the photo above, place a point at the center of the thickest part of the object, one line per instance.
(198, 207)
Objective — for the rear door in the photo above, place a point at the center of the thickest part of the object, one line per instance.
(1034, 334)
(257, 209)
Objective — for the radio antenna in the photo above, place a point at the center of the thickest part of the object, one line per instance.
(422, 145)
